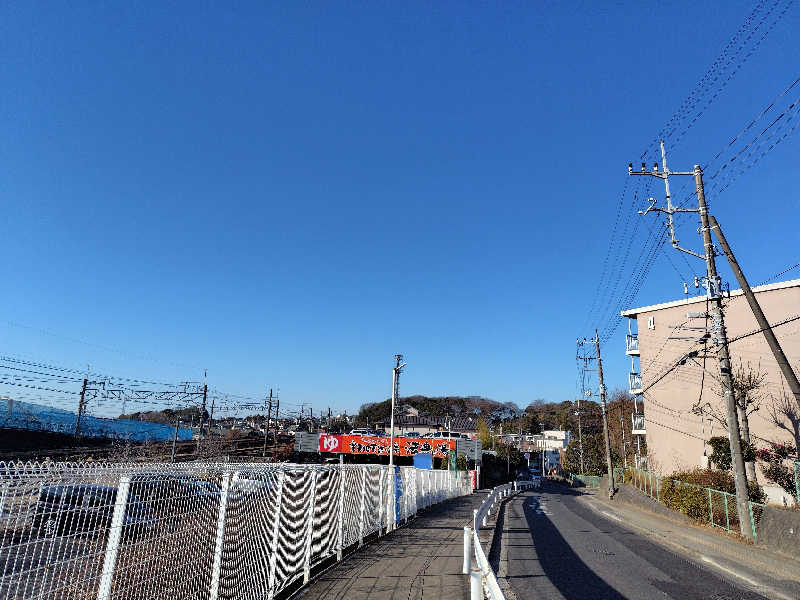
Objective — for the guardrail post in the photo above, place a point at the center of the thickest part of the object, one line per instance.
(475, 584)
(363, 502)
(475, 519)
(467, 550)
(273, 555)
(220, 537)
(340, 548)
(114, 538)
(310, 519)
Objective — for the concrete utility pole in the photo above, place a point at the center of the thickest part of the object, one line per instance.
(277, 413)
(713, 287)
(622, 428)
(580, 436)
(81, 406)
(174, 440)
(399, 364)
(611, 487)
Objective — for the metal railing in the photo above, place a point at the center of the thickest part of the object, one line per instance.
(207, 531)
(631, 343)
(797, 483)
(483, 579)
(703, 503)
(637, 422)
(635, 383)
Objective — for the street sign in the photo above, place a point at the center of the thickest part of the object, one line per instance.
(306, 442)
(527, 456)
(472, 449)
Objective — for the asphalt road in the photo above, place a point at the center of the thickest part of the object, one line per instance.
(554, 546)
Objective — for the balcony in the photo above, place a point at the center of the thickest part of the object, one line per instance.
(635, 383)
(632, 344)
(638, 424)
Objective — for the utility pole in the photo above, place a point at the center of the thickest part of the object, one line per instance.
(622, 428)
(611, 487)
(81, 406)
(713, 287)
(277, 413)
(580, 437)
(269, 414)
(174, 440)
(769, 334)
(399, 364)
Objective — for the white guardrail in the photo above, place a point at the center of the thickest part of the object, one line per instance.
(192, 531)
(483, 581)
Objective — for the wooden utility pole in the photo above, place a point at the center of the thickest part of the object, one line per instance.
(611, 487)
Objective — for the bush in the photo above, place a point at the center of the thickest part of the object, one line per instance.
(693, 500)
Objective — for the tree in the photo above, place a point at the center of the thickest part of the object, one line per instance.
(721, 452)
(594, 455)
(483, 434)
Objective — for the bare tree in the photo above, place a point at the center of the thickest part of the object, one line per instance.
(784, 413)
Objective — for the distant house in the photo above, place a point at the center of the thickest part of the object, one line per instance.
(405, 423)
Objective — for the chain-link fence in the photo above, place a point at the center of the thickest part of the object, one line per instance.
(756, 511)
(83, 530)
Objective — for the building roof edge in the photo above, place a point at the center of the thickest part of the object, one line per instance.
(631, 313)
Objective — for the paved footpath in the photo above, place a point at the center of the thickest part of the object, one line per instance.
(558, 544)
(422, 560)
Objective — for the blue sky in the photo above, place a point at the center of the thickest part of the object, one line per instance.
(289, 194)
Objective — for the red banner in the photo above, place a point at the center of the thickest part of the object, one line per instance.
(362, 444)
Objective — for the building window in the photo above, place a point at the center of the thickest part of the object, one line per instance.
(651, 322)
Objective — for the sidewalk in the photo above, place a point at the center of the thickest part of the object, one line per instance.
(422, 560)
(729, 553)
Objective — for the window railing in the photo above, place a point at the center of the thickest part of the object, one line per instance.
(635, 383)
(632, 342)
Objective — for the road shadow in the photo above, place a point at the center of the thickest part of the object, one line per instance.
(561, 565)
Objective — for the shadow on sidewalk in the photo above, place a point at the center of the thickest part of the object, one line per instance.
(561, 565)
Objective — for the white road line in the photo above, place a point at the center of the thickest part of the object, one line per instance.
(752, 582)
(615, 517)
(760, 586)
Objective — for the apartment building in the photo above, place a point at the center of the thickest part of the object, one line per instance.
(675, 373)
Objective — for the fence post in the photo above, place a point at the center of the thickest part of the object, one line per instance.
(114, 538)
(363, 502)
(220, 537)
(752, 522)
(727, 518)
(273, 555)
(310, 519)
(380, 501)
(467, 550)
(797, 482)
(710, 507)
(341, 513)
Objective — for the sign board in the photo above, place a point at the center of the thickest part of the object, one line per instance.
(365, 444)
(423, 460)
(472, 449)
(527, 456)
(306, 442)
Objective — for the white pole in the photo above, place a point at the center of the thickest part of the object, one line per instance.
(220, 538)
(392, 491)
(114, 538)
(467, 550)
(475, 584)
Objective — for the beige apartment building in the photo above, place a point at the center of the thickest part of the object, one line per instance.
(681, 392)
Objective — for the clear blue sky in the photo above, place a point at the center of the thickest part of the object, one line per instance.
(288, 195)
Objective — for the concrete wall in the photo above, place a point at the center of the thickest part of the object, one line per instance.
(675, 436)
(779, 529)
